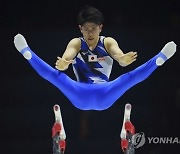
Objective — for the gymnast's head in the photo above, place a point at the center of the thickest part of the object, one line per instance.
(90, 21)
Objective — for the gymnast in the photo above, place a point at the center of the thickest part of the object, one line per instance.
(92, 58)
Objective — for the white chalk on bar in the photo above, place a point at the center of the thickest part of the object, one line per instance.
(127, 113)
(58, 118)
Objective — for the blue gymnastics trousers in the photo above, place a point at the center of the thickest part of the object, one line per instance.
(85, 96)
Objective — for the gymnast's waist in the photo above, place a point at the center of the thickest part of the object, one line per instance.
(94, 80)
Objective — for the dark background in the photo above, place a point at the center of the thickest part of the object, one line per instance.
(26, 102)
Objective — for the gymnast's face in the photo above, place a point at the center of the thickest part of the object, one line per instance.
(91, 31)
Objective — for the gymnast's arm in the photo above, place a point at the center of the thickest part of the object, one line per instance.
(71, 51)
(115, 52)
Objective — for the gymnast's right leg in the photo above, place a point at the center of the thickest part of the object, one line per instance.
(73, 90)
(57, 78)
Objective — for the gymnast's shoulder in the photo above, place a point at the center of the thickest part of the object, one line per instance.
(108, 40)
(75, 42)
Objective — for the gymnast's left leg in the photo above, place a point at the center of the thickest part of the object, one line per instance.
(120, 85)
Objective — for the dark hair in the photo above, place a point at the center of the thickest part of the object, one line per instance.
(90, 14)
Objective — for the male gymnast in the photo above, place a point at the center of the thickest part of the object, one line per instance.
(92, 58)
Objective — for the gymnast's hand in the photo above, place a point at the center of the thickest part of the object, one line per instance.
(62, 64)
(126, 59)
